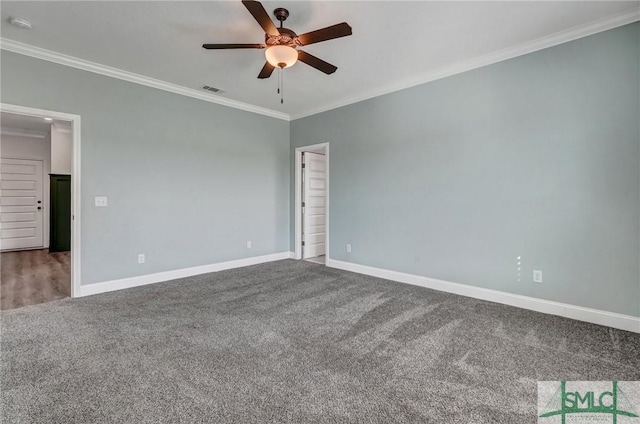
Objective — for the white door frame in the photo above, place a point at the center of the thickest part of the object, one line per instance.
(75, 182)
(298, 198)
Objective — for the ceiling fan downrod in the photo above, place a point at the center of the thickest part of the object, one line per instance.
(281, 15)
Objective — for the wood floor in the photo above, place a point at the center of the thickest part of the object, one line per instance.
(30, 277)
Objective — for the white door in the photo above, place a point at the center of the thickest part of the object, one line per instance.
(21, 204)
(314, 183)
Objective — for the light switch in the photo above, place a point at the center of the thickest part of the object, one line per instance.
(101, 201)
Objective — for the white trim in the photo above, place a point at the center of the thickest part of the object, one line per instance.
(298, 198)
(86, 65)
(21, 132)
(609, 319)
(126, 283)
(76, 275)
(488, 59)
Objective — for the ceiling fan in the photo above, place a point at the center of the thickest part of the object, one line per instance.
(281, 43)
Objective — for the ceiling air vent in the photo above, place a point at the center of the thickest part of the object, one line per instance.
(213, 89)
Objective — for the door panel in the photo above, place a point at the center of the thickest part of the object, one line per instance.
(17, 199)
(15, 209)
(18, 232)
(13, 225)
(21, 222)
(17, 185)
(19, 168)
(19, 217)
(314, 211)
(18, 192)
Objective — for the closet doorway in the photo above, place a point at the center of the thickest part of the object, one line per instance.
(312, 203)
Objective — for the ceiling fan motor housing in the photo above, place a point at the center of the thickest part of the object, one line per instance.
(286, 38)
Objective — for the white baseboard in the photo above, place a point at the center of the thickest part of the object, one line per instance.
(595, 316)
(126, 283)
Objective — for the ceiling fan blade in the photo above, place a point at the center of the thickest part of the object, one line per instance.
(261, 15)
(267, 70)
(233, 46)
(324, 34)
(314, 62)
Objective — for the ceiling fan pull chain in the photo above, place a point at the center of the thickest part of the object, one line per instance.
(281, 86)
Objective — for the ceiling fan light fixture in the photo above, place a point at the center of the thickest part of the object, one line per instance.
(281, 56)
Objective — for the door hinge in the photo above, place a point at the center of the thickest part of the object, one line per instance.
(303, 243)
(303, 204)
(304, 165)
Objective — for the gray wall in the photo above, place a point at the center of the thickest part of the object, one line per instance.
(538, 156)
(189, 182)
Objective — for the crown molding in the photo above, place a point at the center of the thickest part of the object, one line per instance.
(21, 132)
(460, 67)
(85, 65)
(545, 42)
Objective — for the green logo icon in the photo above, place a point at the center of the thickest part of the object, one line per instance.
(611, 403)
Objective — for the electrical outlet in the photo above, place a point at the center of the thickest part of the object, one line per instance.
(537, 276)
(249, 244)
(101, 201)
(141, 258)
(349, 248)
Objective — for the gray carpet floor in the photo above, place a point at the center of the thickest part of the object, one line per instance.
(292, 341)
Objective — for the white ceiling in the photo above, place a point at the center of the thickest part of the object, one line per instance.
(393, 42)
(30, 125)
(23, 123)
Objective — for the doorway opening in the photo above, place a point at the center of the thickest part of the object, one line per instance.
(312, 203)
(39, 206)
